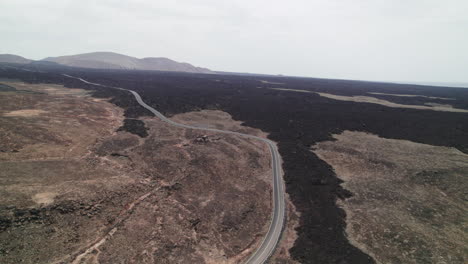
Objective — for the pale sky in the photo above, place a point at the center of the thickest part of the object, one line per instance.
(388, 40)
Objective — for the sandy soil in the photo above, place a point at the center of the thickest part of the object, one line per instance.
(413, 95)
(408, 203)
(373, 100)
(25, 112)
(267, 82)
(216, 119)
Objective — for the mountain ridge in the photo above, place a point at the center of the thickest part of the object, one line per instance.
(112, 60)
(12, 58)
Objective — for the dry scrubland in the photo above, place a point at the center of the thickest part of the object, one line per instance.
(409, 199)
(372, 100)
(320, 232)
(73, 189)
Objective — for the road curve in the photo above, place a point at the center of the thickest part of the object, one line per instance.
(268, 245)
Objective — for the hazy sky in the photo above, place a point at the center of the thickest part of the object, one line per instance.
(415, 40)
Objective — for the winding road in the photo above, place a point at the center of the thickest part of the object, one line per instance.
(270, 241)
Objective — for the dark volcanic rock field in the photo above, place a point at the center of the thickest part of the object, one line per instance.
(296, 121)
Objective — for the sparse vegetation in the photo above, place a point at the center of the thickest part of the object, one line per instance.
(296, 121)
(74, 187)
(408, 203)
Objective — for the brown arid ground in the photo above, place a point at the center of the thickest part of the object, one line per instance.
(289, 236)
(267, 82)
(222, 120)
(73, 190)
(374, 100)
(409, 199)
(413, 95)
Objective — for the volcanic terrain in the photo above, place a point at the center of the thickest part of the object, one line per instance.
(337, 139)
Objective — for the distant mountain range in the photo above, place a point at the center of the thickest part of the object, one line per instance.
(10, 58)
(111, 60)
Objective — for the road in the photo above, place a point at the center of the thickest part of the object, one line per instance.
(270, 241)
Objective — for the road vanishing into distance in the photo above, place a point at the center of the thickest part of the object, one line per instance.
(270, 241)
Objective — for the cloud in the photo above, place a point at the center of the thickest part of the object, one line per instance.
(420, 40)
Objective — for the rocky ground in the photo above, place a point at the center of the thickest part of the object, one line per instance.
(297, 113)
(409, 199)
(76, 188)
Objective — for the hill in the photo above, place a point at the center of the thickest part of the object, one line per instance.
(111, 60)
(10, 58)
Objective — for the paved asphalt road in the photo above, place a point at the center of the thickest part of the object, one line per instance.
(268, 245)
